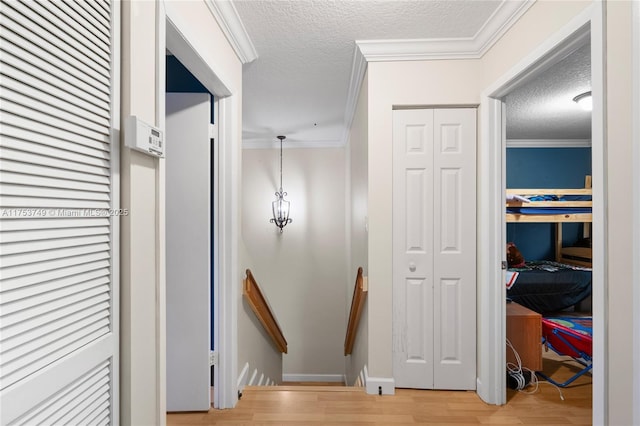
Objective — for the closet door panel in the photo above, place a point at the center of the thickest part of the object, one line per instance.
(455, 248)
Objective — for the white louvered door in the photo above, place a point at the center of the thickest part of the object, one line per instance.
(58, 212)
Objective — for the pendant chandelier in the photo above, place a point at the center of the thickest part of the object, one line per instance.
(280, 207)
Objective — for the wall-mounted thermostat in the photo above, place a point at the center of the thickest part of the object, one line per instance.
(143, 137)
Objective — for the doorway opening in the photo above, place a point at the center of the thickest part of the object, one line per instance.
(549, 255)
(225, 262)
(191, 221)
(492, 192)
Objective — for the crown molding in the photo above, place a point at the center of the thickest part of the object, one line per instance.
(262, 144)
(417, 49)
(447, 48)
(429, 49)
(358, 69)
(548, 143)
(227, 17)
(499, 23)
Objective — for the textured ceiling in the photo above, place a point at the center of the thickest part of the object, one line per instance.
(299, 85)
(544, 109)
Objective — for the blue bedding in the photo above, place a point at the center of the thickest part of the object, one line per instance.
(546, 286)
(547, 210)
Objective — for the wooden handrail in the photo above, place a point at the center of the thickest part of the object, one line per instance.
(357, 302)
(261, 308)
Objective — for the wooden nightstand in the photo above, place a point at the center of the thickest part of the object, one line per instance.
(524, 331)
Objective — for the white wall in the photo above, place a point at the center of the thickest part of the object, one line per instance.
(446, 82)
(358, 216)
(540, 21)
(358, 223)
(619, 167)
(141, 378)
(142, 357)
(302, 270)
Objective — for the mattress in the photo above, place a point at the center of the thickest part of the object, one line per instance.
(546, 286)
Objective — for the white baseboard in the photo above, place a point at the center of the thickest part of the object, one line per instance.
(339, 378)
(380, 385)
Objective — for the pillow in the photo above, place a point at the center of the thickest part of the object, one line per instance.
(515, 259)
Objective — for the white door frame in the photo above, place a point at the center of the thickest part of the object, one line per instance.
(491, 184)
(171, 35)
(635, 278)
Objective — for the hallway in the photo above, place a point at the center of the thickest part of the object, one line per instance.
(325, 405)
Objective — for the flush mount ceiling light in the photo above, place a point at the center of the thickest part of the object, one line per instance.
(280, 207)
(584, 100)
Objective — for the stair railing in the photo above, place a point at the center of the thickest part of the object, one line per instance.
(261, 308)
(357, 302)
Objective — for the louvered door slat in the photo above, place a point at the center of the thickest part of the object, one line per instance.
(27, 280)
(74, 25)
(41, 116)
(30, 191)
(58, 329)
(34, 257)
(87, 20)
(28, 246)
(44, 33)
(25, 94)
(26, 299)
(32, 364)
(36, 128)
(21, 356)
(51, 203)
(22, 179)
(40, 235)
(57, 114)
(72, 400)
(26, 157)
(17, 271)
(98, 150)
(84, 407)
(53, 152)
(18, 294)
(95, 9)
(45, 411)
(49, 57)
(25, 224)
(16, 324)
(37, 170)
(41, 74)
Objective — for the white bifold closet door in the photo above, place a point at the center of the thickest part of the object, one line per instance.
(434, 248)
(58, 195)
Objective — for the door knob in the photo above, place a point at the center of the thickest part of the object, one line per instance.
(412, 267)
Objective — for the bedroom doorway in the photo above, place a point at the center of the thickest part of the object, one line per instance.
(549, 256)
(586, 26)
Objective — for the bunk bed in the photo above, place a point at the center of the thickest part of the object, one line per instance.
(551, 286)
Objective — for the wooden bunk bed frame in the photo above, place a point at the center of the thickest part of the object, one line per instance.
(580, 256)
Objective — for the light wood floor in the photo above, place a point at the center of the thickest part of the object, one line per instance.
(330, 405)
